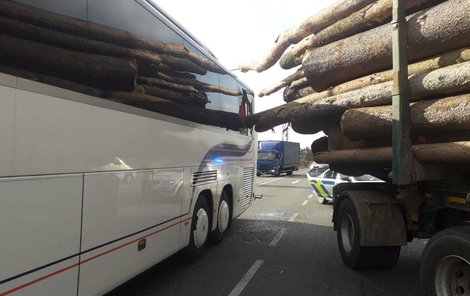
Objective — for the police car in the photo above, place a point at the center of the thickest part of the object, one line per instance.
(323, 180)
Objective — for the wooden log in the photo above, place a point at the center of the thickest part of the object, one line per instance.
(439, 29)
(39, 34)
(54, 81)
(315, 125)
(151, 69)
(313, 24)
(100, 32)
(94, 70)
(441, 153)
(292, 93)
(166, 83)
(448, 80)
(174, 78)
(195, 114)
(182, 64)
(188, 98)
(283, 83)
(426, 116)
(446, 59)
(371, 16)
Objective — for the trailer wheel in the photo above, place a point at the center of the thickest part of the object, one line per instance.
(353, 254)
(200, 226)
(224, 219)
(445, 263)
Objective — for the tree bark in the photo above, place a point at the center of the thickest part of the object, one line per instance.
(298, 89)
(313, 24)
(448, 80)
(54, 81)
(197, 84)
(440, 153)
(439, 29)
(283, 83)
(100, 32)
(368, 17)
(27, 31)
(426, 116)
(186, 98)
(199, 115)
(103, 72)
(167, 84)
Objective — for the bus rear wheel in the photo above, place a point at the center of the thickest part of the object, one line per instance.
(200, 226)
(224, 219)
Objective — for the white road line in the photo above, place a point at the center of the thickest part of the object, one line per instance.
(278, 237)
(304, 203)
(277, 179)
(292, 218)
(310, 196)
(246, 278)
(296, 181)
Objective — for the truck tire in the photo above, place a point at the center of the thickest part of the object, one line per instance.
(353, 254)
(277, 173)
(200, 226)
(289, 173)
(445, 263)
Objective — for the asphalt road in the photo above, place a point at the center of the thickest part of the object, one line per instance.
(284, 244)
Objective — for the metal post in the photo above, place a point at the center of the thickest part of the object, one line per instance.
(402, 158)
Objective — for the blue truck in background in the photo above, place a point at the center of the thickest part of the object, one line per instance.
(276, 157)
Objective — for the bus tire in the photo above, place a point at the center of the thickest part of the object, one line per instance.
(445, 263)
(224, 219)
(353, 254)
(200, 226)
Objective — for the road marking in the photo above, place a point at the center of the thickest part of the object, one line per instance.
(246, 278)
(304, 203)
(310, 196)
(277, 179)
(278, 237)
(292, 218)
(296, 181)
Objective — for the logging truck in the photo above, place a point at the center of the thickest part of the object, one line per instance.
(409, 125)
(121, 143)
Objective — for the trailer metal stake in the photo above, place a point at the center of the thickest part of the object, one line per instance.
(402, 158)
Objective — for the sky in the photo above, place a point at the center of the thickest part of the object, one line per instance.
(245, 30)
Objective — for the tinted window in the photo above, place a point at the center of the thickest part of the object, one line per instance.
(330, 174)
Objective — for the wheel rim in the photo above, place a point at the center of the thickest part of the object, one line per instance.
(347, 233)
(201, 229)
(453, 277)
(224, 216)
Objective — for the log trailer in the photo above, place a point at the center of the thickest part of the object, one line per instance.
(428, 197)
(409, 126)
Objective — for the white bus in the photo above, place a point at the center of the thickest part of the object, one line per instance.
(98, 180)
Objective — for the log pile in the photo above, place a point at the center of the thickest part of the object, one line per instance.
(344, 86)
(109, 63)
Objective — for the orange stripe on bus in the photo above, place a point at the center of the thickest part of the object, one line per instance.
(87, 260)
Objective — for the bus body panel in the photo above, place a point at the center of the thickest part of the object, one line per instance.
(40, 223)
(95, 139)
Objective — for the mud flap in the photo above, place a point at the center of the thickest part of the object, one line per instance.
(380, 218)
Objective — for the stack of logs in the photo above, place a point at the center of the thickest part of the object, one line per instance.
(344, 84)
(109, 63)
